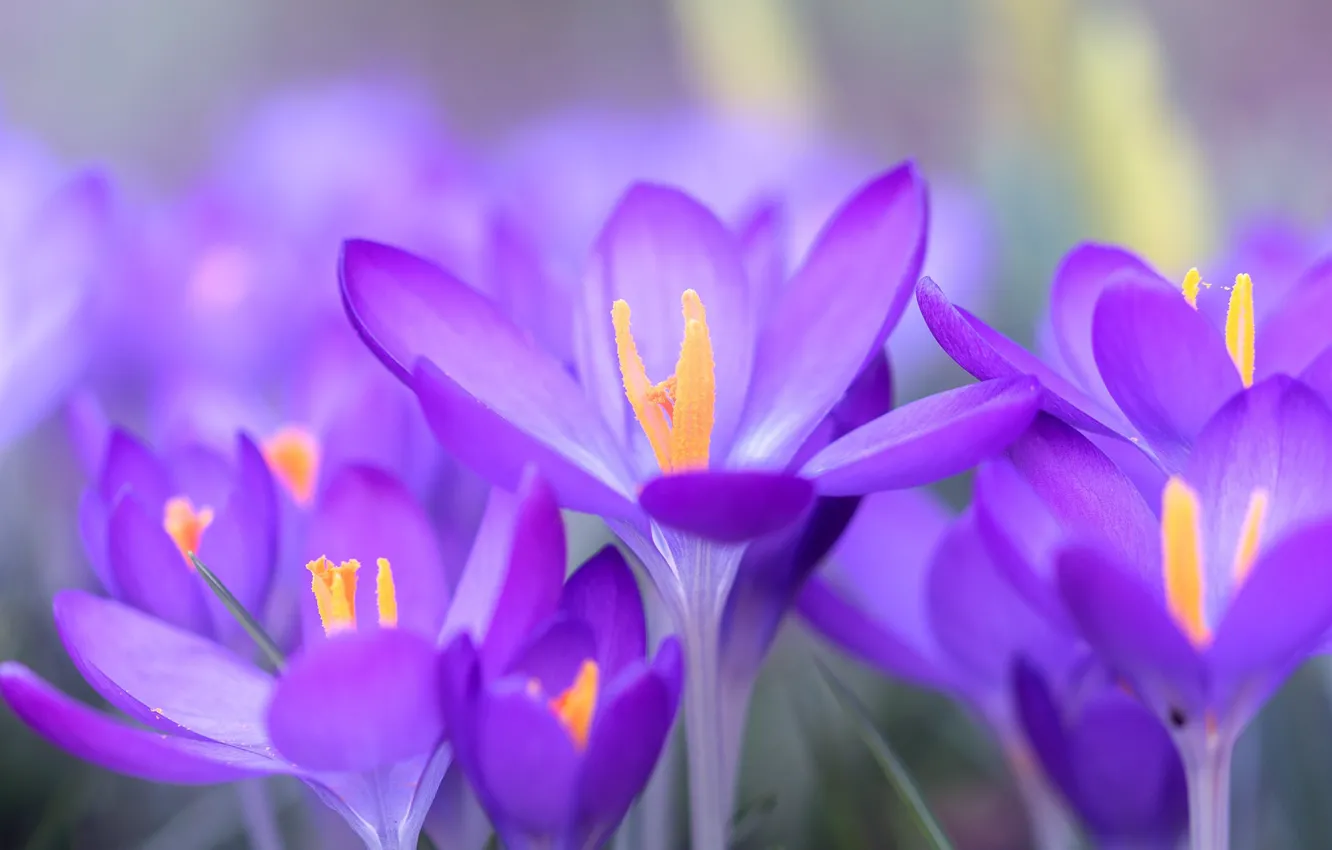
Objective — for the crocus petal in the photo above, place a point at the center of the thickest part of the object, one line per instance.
(987, 354)
(359, 701)
(150, 571)
(1283, 609)
(408, 310)
(625, 742)
(94, 518)
(115, 745)
(763, 239)
(366, 514)
(1163, 363)
(130, 466)
(1277, 437)
(1318, 375)
(604, 594)
(89, 432)
(1296, 332)
(165, 677)
(833, 315)
(929, 439)
(554, 654)
(1129, 628)
(658, 243)
(1043, 725)
(533, 578)
(526, 761)
(1078, 283)
(725, 506)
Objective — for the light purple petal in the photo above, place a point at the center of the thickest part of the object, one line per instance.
(1297, 330)
(358, 702)
(165, 677)
(987, 354)
(929, 439)
(554, 654)
(1163, 363)
(657, 243)
(89, 432)
(527, 762)
(763, 237)
(115, 745)
(408, 310)
(130, 466)
(834, 315)
(604, 594)
(1318, 375)
(149, 570)
(729, 507)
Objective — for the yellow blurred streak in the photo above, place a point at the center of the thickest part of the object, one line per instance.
(1024, 47)
(749, 56)
(1141, 162)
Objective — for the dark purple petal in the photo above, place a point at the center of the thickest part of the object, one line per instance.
(554, 654)
(526, 762)
(834, 315)
(657, 243)
(1282, 611)
(359, 701)
(533, 578)
(1078, 283)
(232, 549)
(604, 594)
(1297, 330)
(1318, 375)
(94, 522)
(115, 745)
(408, 310)
(1276, 437)
(1131, 631)
(725, 506)
(201, 475)
(1163, 363)
(366, 514)
(987, 354)
(626, 739)
(170, 679)
(149, 570)
(131, 467)
(929, 439)
(1043, 725)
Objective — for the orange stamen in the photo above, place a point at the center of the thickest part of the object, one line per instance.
(677, 414)
(1181, 556)
(578, 703)
(1192, 282)
(185, 525)
(1250, 535)
(335, 593)
(293, 456)
(386, 594)
(1240, 327)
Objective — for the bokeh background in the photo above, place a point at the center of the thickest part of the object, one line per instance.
(1169, 127)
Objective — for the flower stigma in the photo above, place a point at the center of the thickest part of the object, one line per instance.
(186, 525)
(1239, 320)
(293, 456)
(335, 594)
(575, 707)
(676, 414)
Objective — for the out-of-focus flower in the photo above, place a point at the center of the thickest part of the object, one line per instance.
(1137, 358)
(54, 232)
(560, 733)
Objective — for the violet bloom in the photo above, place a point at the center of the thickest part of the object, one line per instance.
(1138, 358)
(688, 469)
(1203, 607)
(53, 240)
(1110, 759)
(357, 714)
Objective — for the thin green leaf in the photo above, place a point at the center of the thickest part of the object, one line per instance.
(256, 632)
(892, 767)
(424, 842)
(493, 842)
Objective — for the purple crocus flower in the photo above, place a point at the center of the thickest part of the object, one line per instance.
(1138, 358)
(689, 469)
(1201, 603)
(358, 713)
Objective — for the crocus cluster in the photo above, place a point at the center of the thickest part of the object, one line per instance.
(341, 391)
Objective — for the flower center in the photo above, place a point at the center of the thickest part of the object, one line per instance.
(1239, 319)
(577, 704)
(293, 456)
(677, 413)
(1182, 555)
(335, 594)
(186, 525)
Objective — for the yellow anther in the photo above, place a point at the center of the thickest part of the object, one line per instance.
(335, 593)
(1239, 327)
(386, 594)
(293, 456)
(1250, 534)
(677, 414)
(185, 525)
(578, 703)
(1182, 559)
(1192, 282)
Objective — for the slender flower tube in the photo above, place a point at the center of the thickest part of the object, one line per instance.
(696, 389)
